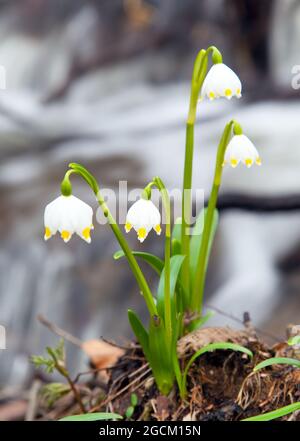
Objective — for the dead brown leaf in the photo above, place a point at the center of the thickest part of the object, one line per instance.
(13, 411)
(102, 354)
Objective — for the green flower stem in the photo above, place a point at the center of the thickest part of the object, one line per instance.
(144, 287)
(65, 186)
(198, 76)
(199, 282)
(200, 65)
(167, 207)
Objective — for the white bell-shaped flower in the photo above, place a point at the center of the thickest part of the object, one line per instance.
(241, 149)
(143, 216)
(221, 81)
(68, 215)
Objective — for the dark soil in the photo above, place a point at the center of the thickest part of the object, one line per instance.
(221, 384)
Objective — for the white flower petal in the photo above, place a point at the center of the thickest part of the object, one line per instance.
(241, 149)
(221, 81)
(142, 217)
(68, 215)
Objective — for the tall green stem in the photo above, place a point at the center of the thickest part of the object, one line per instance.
(199, 282)
(144, 287)
(200, 66)
(167, 297)
(199, 73)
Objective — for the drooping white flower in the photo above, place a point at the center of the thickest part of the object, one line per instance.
(241, 149)
(221, 81)
(142, 217)
(68, 215)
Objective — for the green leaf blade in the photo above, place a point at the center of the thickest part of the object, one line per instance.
(196, 240)
(277, 360)
(155, 262)
(140, 332)
(161, 356)
(209, 348)
(175, 266)
(100, 416)
(274, 414)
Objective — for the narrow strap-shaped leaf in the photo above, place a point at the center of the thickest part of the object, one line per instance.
(176, 232)
(209, 348)
(196, 240)
(269, 416)
(140, 332)
(277, 360)
(176, 247)
(155, 262)
(160, 356)
(175, 360)
(199, 322)
(93, 417)
(175, 265)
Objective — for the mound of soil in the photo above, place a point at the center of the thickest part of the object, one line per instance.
(221, 384)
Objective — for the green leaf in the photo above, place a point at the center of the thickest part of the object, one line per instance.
(140, 332)
(174, 356)
(155, 349)
(209, 348)
(160, 356)
(155, 262)
(294, 340)
(134, 400)
(176, 247)
(176, 232)
(129, 412)
(196, 240)
(277, 360)
(41, 362)
(58, 353)
(178, 374)
(199, 322)
(175, 265)
(269, 416)
(93, 417)
(53, 391)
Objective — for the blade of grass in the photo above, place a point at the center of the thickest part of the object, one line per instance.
(93, 417)
(209, 348)
(275, 413)
(277, 360)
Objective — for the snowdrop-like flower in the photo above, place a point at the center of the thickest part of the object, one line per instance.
(68, 215)
(221, 81)
(143, 216)
(241, 149)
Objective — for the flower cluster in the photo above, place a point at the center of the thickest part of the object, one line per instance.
(182, 271)
(69, 215)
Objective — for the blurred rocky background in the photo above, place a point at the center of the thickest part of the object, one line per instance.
(106, 83)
